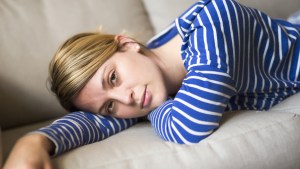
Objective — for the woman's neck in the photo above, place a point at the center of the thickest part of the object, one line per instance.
(168, 58)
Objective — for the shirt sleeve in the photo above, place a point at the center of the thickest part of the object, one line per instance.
(198, 106)
(81, 128)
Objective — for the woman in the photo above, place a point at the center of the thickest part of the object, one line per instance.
(217, 56)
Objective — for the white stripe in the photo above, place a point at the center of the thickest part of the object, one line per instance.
(254, 58)
(178, 28)
(76, 134)
(259, 63)
(187, 13)
(231, 35)
(179, 135)
(248, 55)
(170, 131)
(184, 30)
(192, 119)
(215, 36)
(205, 40)
(239, 44)
(207, 90)
(75, 124)
(82, 118)
(202, 99)
(163, 117)
(125, 124)
(273, 56)
(266, 49)
(160, 120)
(223, 33)
(279, 40)
(213, 73)
(198, 55)
(70, 140)
(112, 126)
(292, 36)
(193, 132)
(285, 62)
(290, 65)
(243, 51)
(62, 139)
(292, 29)
(197, 109)
(297, 69)
(212, 81)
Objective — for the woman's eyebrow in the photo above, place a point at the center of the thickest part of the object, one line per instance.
(103, 85)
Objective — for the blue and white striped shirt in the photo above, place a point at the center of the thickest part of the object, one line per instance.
(236, 58)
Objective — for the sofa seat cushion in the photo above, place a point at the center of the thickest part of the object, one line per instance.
(245, 139)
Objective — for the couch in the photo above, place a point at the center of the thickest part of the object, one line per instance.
(31, 31)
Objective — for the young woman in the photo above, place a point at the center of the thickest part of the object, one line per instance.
(217, 56)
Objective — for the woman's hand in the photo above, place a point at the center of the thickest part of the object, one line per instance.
(31, 152)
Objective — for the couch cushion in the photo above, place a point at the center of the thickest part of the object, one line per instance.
(161, 18)
(32, 30)
(246, 139)
(289, 105)
(274, 8)
(161, 13)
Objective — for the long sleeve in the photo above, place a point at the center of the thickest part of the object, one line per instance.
(81, 128)
(197, 108)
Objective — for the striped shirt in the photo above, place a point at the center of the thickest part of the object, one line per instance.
(236, 58)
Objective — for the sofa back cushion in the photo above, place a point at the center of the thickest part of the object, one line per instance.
(162, 13)
(30, 33)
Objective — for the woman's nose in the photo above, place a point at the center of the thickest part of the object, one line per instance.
(122, 95)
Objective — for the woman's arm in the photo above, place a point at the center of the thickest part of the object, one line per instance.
(31, 151)
(71, 131)
(197, 108)
(81, 128)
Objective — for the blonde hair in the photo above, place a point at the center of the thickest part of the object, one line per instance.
(76, 61)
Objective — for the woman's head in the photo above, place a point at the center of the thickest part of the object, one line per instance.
(80, 61)
(76, 61)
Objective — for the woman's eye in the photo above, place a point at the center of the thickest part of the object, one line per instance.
(113, 78)
(109, 108)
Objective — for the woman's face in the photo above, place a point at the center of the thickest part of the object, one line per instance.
(127, 85)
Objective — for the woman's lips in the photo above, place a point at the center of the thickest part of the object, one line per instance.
(146, 100)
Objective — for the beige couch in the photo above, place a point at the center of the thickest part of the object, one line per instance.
(30, 32)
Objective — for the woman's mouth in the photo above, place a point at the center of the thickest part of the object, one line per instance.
(146, 100)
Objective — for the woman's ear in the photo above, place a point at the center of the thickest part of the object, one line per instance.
(126, 43)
